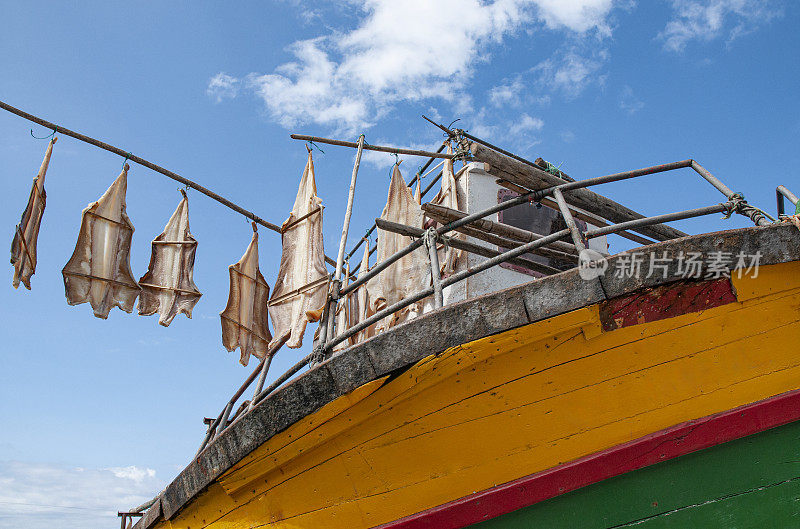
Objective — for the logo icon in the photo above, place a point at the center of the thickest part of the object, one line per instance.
(591, 264)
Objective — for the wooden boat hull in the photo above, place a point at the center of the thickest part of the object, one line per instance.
(589, 414)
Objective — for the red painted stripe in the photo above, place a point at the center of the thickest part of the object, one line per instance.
(660, 446)
(665, 301)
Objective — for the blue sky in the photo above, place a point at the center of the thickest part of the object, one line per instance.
(99, 415)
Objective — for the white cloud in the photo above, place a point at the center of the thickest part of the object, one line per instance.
(571, 72)
(133, 473)
(507, 94)
(629, 102)
(409, 51)
(223, 86)
(577, 16)
(525, 124)
(708, 19)
(41, 496)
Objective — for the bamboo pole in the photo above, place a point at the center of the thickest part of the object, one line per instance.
(334, 298)
(379, 148)
(150, 165)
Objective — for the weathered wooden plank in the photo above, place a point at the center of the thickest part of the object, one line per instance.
(498, 228)
(534, 178)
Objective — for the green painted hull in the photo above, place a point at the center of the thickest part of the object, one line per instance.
(753, 482)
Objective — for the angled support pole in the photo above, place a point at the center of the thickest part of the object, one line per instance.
(577, 237)
(330, 321)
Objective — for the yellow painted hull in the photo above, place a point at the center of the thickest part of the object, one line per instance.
(509, 405)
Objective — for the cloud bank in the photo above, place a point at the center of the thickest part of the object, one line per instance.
(43, 496)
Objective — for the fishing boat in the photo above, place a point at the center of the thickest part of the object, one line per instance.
(656, 387)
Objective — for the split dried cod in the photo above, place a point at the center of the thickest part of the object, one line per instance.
(409, 274)
(168, 286)
(23, 246)
(302, 284)
(345, 313)
(99, 270)
(361, 303)
(448, 196)
(244, 320)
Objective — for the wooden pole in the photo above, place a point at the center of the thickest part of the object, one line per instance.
(343, 241)
(391, 150)
(154, 167)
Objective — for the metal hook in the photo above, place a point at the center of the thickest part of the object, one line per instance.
(55, 130)
(397, 159)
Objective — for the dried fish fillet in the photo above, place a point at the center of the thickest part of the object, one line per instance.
(302, 284)
(168, 286)
(361, 304)
(409, 274)
(346, 311)
(23, 247)
(448, 197)
(99, 270)
(244, 320)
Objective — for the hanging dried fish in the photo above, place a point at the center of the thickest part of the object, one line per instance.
(99, 270)
(168, 286)
(344, 312)
(244, 320)
(448, 197)
(361, 304)
(409, 274)
(302, 284)
(23, 247)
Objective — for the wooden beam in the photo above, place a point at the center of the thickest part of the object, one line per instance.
(368, 147)
(534, 178)
(467, 246)
(507, 231)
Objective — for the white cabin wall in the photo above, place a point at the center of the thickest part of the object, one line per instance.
(480, 190)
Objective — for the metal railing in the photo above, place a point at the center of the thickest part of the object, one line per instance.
(782, 193)
(553, 196)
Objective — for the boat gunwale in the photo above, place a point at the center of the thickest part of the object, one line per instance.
(434, 332)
